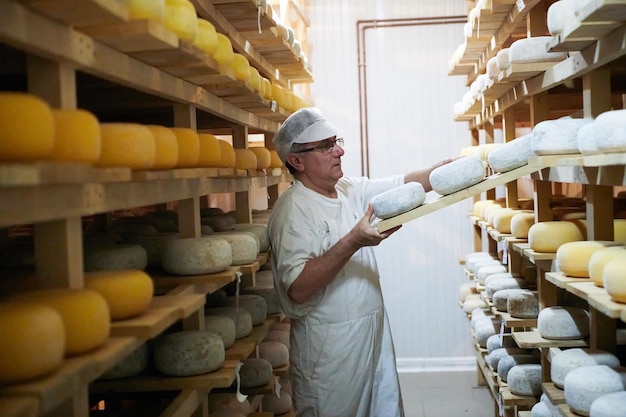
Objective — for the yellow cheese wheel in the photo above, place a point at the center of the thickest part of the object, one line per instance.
(277, 92)
(241, 67)
(126, 145)
(497, 213)
(521, 223)
(180, 18)
(573, 257)
(599, 259)
(32, 341)
(128, 292)
(275, 161)
(619, 230)
(188, 147)
(267, 89)
(85, 314)
(502, 219)
(263, 157)
(206, 38)
(245, 159)
(166, 147)
(224, 52)
(254, 81)
(27, 131)
(210, 150)
(227, 155)
(489, 208)
(478, 206)
(146, 9)
(614, 279)
(548, 236)
(77, 136)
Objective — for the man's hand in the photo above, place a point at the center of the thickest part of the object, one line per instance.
(364, 234)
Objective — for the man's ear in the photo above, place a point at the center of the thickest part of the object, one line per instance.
(295, 161)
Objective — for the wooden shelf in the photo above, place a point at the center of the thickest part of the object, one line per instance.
(19, 406)
(561, 280)
(532, 340)
(556, 395)
(205, 283)
(602, 302)
(514, 322)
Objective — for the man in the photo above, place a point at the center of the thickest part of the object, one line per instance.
(342, 354)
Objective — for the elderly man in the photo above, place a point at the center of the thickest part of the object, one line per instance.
(325, 274)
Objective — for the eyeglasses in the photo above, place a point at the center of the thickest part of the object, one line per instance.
(326, 148)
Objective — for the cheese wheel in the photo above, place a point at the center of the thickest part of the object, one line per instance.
(219, 223)
(32, 341)
(259, 230)
(548, 236)
(559, 136)
(485, 271)
(194, 256)
(496, 212)
(263, 157)
(509, 361)
(85, 314)
(525, 379)
(188, 147)
(188, 353)
(153, 244)
(569, 359)
(573, 258)
(224, 52)
(146, 9)
(206, 37)
(277, 405)
(275, 353)
(180, 18)
(523, 305)
(500, 297)
(244, 246)
(502, 59)
(563, 323)
(241, 317)
(492, 359)
(511, 155)
(582, 386)
(608, 405)
(614, 278)
(254, 81)
(521, 224)
(268, 294)
(474, 266)
(499, 275)
(560, 14)
(254, 304)
(492, 70)
(485, 209)
(210, 152)
(599, 260)
(472, 303)
(133, 364)
(245, 159)
(609, 131)
(127, 292)
(122, 256)
(77, 136)
(28, 127)
(502, 219)
(586, 139)
(504, 284)
(227, 155)
(484, 329)
(255, 372)
(541, 409)
(224, 326)
(535, 49)
(278, 335)
(500, 340)
(126, 145)
(399, 200)
(166, 147)
(241, 67)
(457, 175)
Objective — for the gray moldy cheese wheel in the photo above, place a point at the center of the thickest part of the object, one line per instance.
(457, 175)
(492, 359)
(399, 200)
(511, 155)
(582, 386)
(195, 256)
(277, 405)
(504, 284)
(486, 270)
(244, 246)
(509, 361)
(497, 341)
(485, 328)
(268, 294)
(482, 263)
(567, 360)
(276, 353)
(188, 352)
(563, 323)
(500, 298)
(241, 317)
(254, 304)
(224, 326)
(609, 405)
(122, 256)
(525, 380)
(133, 364)
(153, 244)
(260, 230)
(255, 372)
(499, 275)
(523, 305)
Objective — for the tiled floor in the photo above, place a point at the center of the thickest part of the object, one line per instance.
(445, 394)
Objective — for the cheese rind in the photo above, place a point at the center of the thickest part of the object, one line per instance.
(511, 155)
(534, 49)
(194, 256)
(457, 175)
(548, 236)
(126, 145)
(399, 200)
(559, 136)
(128, 293)
(77, 136)
(188, 353)
(563, 323)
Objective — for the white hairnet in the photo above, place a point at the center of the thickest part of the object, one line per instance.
(303, 126)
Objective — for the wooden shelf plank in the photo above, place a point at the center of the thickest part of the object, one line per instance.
(532, 340)
(19, 406)
(83, 13)
(556, 395)
(584, 289)
(561, 280)
(514, 322)
(602, 302)
(55, 173)
(162, 279)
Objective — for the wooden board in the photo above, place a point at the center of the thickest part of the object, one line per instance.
(555, 395)
(83, 13)
(19, 406)
(561, 280)
(532, 340)
(521, 72)
(134, 36)
(602, 302)
(161, 278)
(52, 173)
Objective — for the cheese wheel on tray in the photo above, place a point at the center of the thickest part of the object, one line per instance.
(154, 245)
(399, 200)
(502, 59)
(525, 380)
(511, 155)
(523, 305)
(166, 147)
(457, 175)
(573, 258)
(535, 49)
(245, 246)
(521, 224)
(259, 230)
(254, 304)
(492, 359)
(210, 150)
(133, 364)
(557, 137)
(586, 139)
(500, 297)
(608, 405)
(241, 317)
(509, 361)
(188, 352)
(268, 293)
(500, 340)
(277, 405)
(276, 353)
(224, 326)
(610, 131)
(560, 14)
(614, 279)
(194, 256)
(582, 386)
(504, 284)
(563, 323)
(255, 372)
(126, 145)
(485, 271)
(128, 292)
(569, 359)
(548, 236)
(77, 136)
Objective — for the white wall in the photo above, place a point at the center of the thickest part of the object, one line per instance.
(410, 99)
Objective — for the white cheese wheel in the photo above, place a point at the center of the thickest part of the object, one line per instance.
(523, 305)
(122, 256)
(521, 224)
(224, 326)
(457, 175)
(492, 68)
(244, 246)
(567, 360)
(23, 327)
(509, 361)
(241, 317)
(559, 136)
(277, 405)
(525, 380)
(260, 230)
(484, 271)
(614, 279)
(582, 386)
(609, 405)
(132, 364)
(484, 329)
(548, 236)
(472, 303)
(466, 289)
(492, 359)
(254, 304)
(586, 139)
(504, 284)
(194, 256)
(399, 200)
(500, 297)
(128, 292)
(477, 262)
(563, 323)
(502, 59)
(573, 257)
(535, 49)
(599, 259)
(540, 409)
(511, 155)
(255, 372)
(499, 275)
(479, 314)
(154, 245)
(554, 408)
(188, 352)
(275, 353)
(500, 340)
(268, 294)
(560, 14)
(473, 255)
(610, 131)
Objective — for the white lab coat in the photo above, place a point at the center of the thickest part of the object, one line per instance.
(342, 355)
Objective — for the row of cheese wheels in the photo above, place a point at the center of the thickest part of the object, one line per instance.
(34, 131)
(180, 17)
(39, 328)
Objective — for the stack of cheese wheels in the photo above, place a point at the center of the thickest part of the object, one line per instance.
(548, 236)
(399, 200)
(614, 278)
(582, 386)
(166, 147)
(126, 145)
(206, 37)
(529, 50)
(227, 155)
(133, 364)
(609, 131)
(180, 18)
(241, 317)
(228, 402)
(457, 175)
(509, 361)
(188, 147)
(521, 224)
(146, 9)
(511, 155)
(188, 352)
(562, 362)
(245, 246)
(154, 245)
(210, 150)
(85, 314)
(77, 136)
(563, 323)
(32, 341)
(120, 256)
(254, 304)
(128, 293)
(559, 136)
(255, 372)
(573, 258)
(224, 326)
(525, 380)
(608, 405)
(194, 256)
